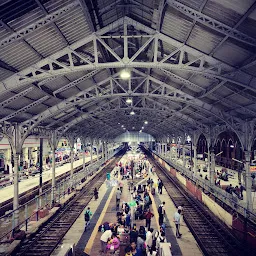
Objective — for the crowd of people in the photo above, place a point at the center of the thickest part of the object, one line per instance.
(143, 240)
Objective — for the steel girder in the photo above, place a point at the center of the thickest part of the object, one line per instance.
(162, 90)
(212, 23)
(54, 65)
(48, 19)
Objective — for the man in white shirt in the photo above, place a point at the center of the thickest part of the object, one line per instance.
(181, 207)
(177, 223)
(160, 239)
(149, 238)
(104, 240)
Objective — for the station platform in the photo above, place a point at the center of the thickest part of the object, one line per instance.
(87, 243)
(233, 179)
(25, 185)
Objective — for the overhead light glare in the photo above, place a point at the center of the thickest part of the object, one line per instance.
(125, 74)
(140, 130)
(132, 113)
(146, 122)
(122, 125)
(142, 127)
(133, 127)
(129, 100)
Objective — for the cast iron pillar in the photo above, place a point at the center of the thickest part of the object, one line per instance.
(212, 166)
(248, 180)
(195, 159)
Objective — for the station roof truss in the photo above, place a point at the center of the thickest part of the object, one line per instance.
(192, 65)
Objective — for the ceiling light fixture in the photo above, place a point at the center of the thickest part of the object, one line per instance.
(142, 127)
(146, 122)
(132, 113)
(140, 130)
(129, 100)
(122, 125)
(125, 74)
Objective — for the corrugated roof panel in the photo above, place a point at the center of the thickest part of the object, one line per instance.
(220, 10)
(251, 70)
(27, 19)
(175, 26)
(18, 55)
(22, 102)
(203, 40)
(70, 92)
(52, 101)
(195, 4)
(248, 27)
(75, 75)
(231, 53)
(37, 109)
(54, 5)
(6, 96)
(111, 16)
(4, 73)
(36, 94)
(74, 25)
(4, 33)
(46, 41)
(201, 81)
(57, 83)
(239, 99)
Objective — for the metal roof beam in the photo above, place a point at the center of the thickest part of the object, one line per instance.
(217, 69)
(20, 34)
(31, 105)
(248, 12)
(64, 39)
(15, 97)
(194, 21)
(212, 23)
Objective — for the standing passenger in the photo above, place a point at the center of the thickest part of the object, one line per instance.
(177, 223)
(148, 216)
(96, 193)
(161, 212)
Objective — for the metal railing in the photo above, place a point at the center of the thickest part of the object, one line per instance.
(220, 194)
(30, 211)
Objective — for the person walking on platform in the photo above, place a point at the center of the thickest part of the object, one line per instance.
(148, 216)
(96, 193)
(87, 217)
(121, 186)
(177, 223)
(161, 212)
(242, 188)
(149, 238)
(118, 197)
(160, 187)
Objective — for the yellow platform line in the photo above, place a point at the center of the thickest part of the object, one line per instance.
(89, 245)
(155, 210)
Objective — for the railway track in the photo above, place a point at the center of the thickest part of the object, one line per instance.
(49, 236)
(213, 237)
(30, 194)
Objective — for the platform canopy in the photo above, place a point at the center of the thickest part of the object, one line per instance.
(105, 66)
